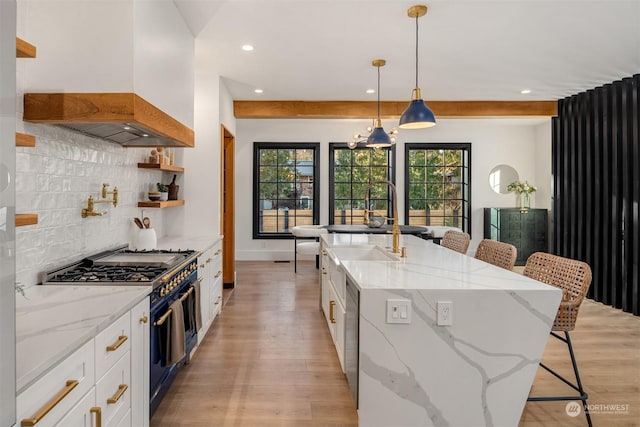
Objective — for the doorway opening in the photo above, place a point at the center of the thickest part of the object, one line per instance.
(227, 214)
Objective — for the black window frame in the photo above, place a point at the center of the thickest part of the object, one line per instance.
(257, 146)
(391, 173)
(466, 186)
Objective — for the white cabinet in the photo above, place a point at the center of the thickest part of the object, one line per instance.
(140, 358)
(210, 273)
(333, 285)
(104, 382)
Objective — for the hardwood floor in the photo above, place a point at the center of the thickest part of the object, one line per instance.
(269, 361)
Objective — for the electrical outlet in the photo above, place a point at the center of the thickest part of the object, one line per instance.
(445, 313)
(398, 311)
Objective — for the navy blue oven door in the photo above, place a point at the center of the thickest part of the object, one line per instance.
(161, 373)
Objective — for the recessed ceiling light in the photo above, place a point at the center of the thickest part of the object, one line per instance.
(525, 91)
(145, 135)
(127, 128)
(247, 47)
(371, 91)
(258, 90)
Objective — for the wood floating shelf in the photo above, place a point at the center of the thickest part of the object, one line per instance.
(168, 168)
(160, 204)
(26, 219)
(24, 49)
(24, 140)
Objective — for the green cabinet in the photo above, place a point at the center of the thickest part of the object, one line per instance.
(526, 230)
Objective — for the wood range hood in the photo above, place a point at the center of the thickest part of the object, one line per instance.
(123, 118)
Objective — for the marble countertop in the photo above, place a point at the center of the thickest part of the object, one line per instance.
(427, 266)
(53, 321)
(198, 243)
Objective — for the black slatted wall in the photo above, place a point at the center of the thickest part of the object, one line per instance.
(596, 197)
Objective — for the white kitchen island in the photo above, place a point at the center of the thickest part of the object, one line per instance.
(475, 372)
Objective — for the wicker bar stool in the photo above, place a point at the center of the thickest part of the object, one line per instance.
(497, 253)
(574, 278)
(456, 240)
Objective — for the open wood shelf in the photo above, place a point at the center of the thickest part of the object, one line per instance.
(167, 168)
(26, 219)
(24, 49)
(162, 204)
(24, 140)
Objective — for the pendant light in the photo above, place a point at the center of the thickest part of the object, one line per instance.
(378, 137)
(417, 115)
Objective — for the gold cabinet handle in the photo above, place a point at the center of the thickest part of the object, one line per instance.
(121, 389)
(332, 304)
(218, 252)
(144, 319)
(115, 345)
(201, 266)
(209, 260)
(70, 385)
(324, 271)
(324, 252)
(98, 411)
(217, 274)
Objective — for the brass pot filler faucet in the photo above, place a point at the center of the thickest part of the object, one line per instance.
(88, 211)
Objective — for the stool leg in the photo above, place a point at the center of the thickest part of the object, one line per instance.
(583, 395)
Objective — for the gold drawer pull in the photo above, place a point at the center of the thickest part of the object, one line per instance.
(208, 260)
(218, 252)
(144, 319)
(121, 389)
(324, 271)
(324, 252)
(115, 345)
(201, 265)
(98, 411)
(331, 305)
(217, 274)
(70, 385)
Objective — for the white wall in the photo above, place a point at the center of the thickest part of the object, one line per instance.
(493, 141)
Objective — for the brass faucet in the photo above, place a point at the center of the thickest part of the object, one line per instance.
(88, 211)
(105, 193)
(396, 227)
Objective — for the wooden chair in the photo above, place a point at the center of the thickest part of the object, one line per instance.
(456, 240)
(574, 278)
(497, 253)
(306, 232)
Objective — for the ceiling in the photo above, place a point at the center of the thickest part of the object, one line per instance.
(468, 50)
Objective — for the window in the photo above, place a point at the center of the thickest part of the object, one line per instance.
(284, 194)
(350, 172)
(438, 185)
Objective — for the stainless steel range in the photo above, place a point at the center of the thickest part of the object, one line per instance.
(173, 276)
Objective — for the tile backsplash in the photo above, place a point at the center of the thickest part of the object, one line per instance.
(54, 180)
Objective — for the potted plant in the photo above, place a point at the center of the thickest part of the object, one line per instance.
(164, 191)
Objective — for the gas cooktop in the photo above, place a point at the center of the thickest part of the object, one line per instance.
(120, 266)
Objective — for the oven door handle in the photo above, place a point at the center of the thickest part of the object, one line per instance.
(165, 316)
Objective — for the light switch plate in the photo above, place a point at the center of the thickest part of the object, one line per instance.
(398, 311)
(445, 313)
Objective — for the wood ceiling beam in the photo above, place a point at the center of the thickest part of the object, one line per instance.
(389, 109)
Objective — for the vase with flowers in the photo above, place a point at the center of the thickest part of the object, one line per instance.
(523, 190)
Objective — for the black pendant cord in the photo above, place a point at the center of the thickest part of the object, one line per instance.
(416, 51)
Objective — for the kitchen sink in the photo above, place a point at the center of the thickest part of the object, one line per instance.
(361, 253)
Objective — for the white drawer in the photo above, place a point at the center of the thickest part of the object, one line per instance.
(82, 414)
(112, 343)
(65, 384)
(113, 392)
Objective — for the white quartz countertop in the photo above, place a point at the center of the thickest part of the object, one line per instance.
(427, 266)
(197, 243)
(53, 321)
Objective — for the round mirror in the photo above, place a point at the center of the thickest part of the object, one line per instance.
(500, 177)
